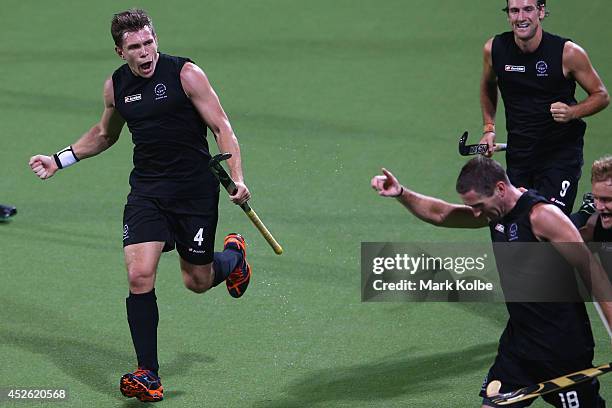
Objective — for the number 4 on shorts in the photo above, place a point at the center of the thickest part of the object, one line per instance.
(199, 236)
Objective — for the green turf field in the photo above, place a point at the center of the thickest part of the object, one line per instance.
(321, 94)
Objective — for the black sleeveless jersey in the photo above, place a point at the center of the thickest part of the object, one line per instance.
(529, 84)
(602, 239)
(170, 148)
(536, 330)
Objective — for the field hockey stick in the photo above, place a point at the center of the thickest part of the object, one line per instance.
(603, 318)
(534, 391)
(473, 149)
(217, 169)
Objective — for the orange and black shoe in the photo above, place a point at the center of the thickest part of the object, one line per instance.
(237, 281)
(142, 384)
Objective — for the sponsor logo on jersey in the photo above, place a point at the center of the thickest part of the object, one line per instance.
(133, 98)
(196, 251)
(160, 92)
(500, 228)
(515, 68)
(542, 69)
(557, 201)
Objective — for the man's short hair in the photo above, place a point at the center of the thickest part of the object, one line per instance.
(539, 4)
(602, 170)
(481, 174)
(131, 20)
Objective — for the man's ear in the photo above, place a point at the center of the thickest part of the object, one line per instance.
(541, 12)
(119, 52)
(500, 188)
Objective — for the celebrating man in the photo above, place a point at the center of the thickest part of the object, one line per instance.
(542, 340)
(536, 73)
(167, 103)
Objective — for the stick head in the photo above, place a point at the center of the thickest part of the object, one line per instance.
(462, 141)
(218, 158)
(470, 150)
(217, 169)
(215, 164)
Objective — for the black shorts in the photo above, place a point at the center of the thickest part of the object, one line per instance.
(188, 224)
(515, 373)
(559, 186)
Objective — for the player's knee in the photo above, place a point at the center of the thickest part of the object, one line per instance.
(195, 286)
(140, 277)
(197, 278)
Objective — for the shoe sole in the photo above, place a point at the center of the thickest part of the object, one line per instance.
(131, 387)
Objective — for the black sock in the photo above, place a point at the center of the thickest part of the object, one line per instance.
(224, 263)
(143, 317)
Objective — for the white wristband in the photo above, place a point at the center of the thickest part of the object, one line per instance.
(65, 158)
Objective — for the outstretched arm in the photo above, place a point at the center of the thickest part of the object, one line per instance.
(202, 95)
(576, 64)
(428, 209)
(550, 224)
(99, 138)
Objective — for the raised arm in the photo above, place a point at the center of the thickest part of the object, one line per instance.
(576, 64)
(202, 95)
(428, 209)
(550, 224)
(488, 98)
(97, 139)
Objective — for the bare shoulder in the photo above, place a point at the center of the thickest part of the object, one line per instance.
(487, 52)
(571, 49)
(191, 68)
(191, 71)
(109, 92)
(575, 59)
(549, 223)
(543, 212)
(192, 78)
(574, 55)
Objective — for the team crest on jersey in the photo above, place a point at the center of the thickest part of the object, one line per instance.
(160, 92)
(542, 69)
(515, 68)
(513, 232)
(500, 228)
(133, 98)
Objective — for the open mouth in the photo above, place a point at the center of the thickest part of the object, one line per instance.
(606, 217)
(146, 66)
(522, 26)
